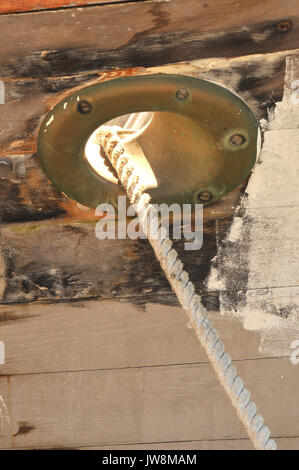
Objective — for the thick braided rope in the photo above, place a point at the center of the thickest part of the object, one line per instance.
(226, 372)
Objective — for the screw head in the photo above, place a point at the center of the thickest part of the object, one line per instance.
(5, 168)
(284, 25)
(84, 107)
(204, 196)
(182, 94)
(237, 139)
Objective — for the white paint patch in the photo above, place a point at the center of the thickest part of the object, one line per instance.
(259, 37)
(295, 93)
(295, 354)
(262, 245)
(235, 231)
(216, 282)
(286, 115)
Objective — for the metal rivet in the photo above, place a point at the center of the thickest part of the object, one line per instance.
(84, 107)
(284, 25)
(182, 94)
(204, 196)
(237, 139)
(5, 168)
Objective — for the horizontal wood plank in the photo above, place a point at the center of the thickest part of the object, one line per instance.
(283, 443)
(69, 41)
(289, 443)
(61, 260)
(16, 6)
(105, 374)
(64, 260)
(126, 406)
(108, 335)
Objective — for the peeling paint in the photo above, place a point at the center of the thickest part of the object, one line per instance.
(256, 268)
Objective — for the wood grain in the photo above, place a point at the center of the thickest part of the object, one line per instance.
(106, 37)
(289, 443)
(108, 335)
(283, 443)
(64, 260)
(15, 6)
(259, 79)
(160, 404)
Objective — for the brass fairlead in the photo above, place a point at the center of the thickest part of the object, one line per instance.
(201, 143)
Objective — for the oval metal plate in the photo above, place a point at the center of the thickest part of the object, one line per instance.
(218, 113)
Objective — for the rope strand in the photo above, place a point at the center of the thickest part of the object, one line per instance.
(259, 433)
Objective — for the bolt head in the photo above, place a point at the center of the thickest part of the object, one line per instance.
(237, 140)
(204, 196)
(84, 107)
(182, 94)
(284, 25)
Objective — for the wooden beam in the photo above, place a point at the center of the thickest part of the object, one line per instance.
(56, 260)
(108, 335)
(142, 405)
(69, 41)
(61, 260)
(17, 6)
(38, 261)
(37, 258)
(286, 443)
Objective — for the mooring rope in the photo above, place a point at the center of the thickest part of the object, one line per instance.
(109, 138)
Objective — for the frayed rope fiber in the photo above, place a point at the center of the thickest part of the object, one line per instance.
(109, 138)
